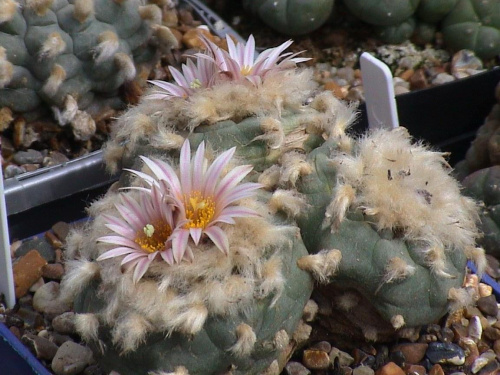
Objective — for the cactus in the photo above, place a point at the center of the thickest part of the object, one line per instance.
(433, 11)
(70, 55)
(291, 17)
(474, 25)
(386, 13)
(195, 268)
(384, 217)
(483, 185)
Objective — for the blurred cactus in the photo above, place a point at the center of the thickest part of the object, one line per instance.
(291, 17)
(433, 11)
(70, 55)
(474, 25)
(382, 13)
(483, 185)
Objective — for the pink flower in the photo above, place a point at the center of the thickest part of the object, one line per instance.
(204, 198)
(145, 230)
(193, 77)
(240, 61)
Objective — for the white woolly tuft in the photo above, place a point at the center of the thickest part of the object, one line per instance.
(56, 78)
(272, 279)
(68, 112)
(396, 270)
(53, 46)
(370, 333)
(270, 177)
(83, 9)
(347, 301)
(274, 135)
(108, 45)
(344, 196)
(246, 340)
(87, 325)
(180, 370)
(291, 202)
(281, 340)
(151, 13)
(397, 321)
(293, 166)
(477, 255)
(406, 187)
(340, 116)
(321, 266)
(190, 321)
(131, 332)
(40, 7)
(165, 37)
(6, 69)
(125, 65)
(7, 10)
(79, 273)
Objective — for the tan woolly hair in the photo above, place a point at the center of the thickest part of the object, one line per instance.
(407, 188)
(181, 297)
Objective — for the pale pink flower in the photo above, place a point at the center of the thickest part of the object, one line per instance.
(205, 198)
(145, 230)
(193, 77)
(240, 61)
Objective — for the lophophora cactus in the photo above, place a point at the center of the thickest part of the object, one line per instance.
(199, 264)
(71, 55)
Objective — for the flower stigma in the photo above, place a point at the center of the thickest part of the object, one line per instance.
(246, 70)
(196, 84)
(153, 236)
(200, 210)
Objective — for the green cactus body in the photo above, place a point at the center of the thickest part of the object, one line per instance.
(484, 185)
(397, 34)
(291, 17)
(209, 351)
(82, 49)
(433, 11)
(385, 13)
(474, 25)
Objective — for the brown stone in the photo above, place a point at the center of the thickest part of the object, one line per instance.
(61, 230)
(54, 271)
(337, 90)
(488, 305)
(492, 333)
(415, 370)
(413, 352)
(27, 270)
(316, 359)
(390, 369)
(53, 240)
(406, 75)
(496, 347)
(436, 370)
(418, 80)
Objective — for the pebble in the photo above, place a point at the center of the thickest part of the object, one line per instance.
(324, 346)
(13, 170)
(445, 353)
(485, 290)
(28, 157)
(296, 368)
(442, 78)
(436, 370)
(54, 271)
(31, 319)
(41, 347)
(61, 230)
(363, 370)
(415, 370)
(27, 270)
(54, 158)
(41, 245)
(64, 323)
(343, 358)
(465, 63)
(316, 359)
(488, 305)
(418, 80)
(475, 328)
(390, 369)
(71, 359)
(47, 302)
(413, 352)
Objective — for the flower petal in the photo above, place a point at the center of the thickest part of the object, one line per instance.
(237, 193)
(185, 167)
(214, 171)
(218, 237)
(118, 240)
(140, 268)
(232, 179)
(198, 161)
(167, 256)
(234, 211)
(116, 252)
(179, 243)
(133, 256)
(165, 172)
(195, 234)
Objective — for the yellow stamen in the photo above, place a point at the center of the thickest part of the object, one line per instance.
(246, 70)
(153, 236)
(200, 210)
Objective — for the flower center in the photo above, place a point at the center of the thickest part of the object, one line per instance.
(153, 236)
(246, 70)
(196, 84)
(200, 210)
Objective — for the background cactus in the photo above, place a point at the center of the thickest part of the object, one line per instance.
(291, 17)
(483, 185)
(73, 55)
